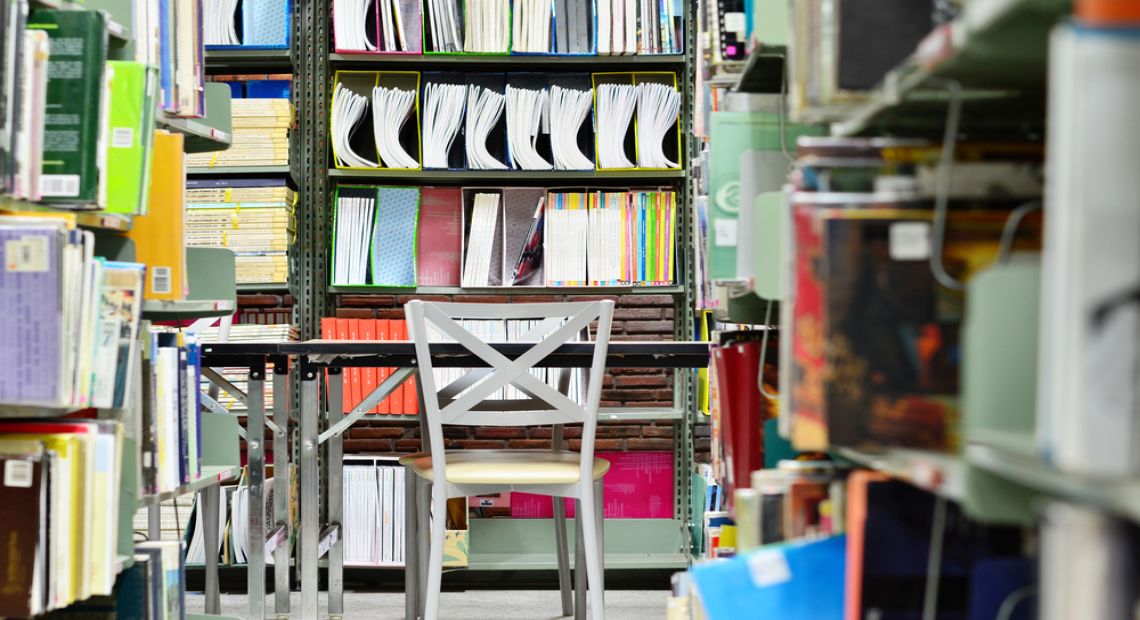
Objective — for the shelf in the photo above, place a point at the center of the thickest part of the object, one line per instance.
(94, 220)
(263, 288)
(1121, 496)
(200, 138)
(996, 49)
(605, 414)
(210, 477)
(114, 28)
(268, 60)
(156, 310)
(238, 170)
(529, 63)
(941, 474)
(508, 290)
(508, 176)
(546, 561)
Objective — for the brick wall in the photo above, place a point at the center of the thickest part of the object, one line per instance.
(636, 317)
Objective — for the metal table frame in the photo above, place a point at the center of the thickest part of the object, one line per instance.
(316, 355)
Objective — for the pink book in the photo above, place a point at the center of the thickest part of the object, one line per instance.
(639, 485)
(440, 236)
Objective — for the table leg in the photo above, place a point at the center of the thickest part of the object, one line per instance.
(411, 547)
(281, 487)
(154, 522)
(310, 505)
(336, 494)
(210, 505)
(255, 450)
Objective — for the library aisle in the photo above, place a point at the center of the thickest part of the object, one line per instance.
(862, 276)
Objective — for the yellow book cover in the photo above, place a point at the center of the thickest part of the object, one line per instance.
(158, 234)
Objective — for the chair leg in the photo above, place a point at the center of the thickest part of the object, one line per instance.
(563, 553)
(411, 545)
(435, 557)
(600, 519)
(579, 565)
(595, 575)
(423, 512)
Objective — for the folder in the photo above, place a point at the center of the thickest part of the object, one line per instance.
(131, 105)
(158, 235)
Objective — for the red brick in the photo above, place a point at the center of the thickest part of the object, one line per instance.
(545, 432)
(631, 395)
(610, 403)
(259, 300)
(355, 446)
(287, 300)
(407, 445)
(403, 299)
(484, 299)
(500, 432)
(643, 381)
(478, 444)
(633, 314)
(528, 444)
(371, 301)
(601, 445)
(355, 313)
(455, 432)
(390, 313)
(657, 431)
(703, 444)
(649, 444)
(653, 327)
(377, 433)
(609, 430)
(647, 300)
(538, 299)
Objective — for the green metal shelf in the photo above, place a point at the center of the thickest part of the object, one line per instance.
(605, 414)
(237, 170)
(508, 176)
(210, 477)
(200, 138)
(1119, 496)
(524, 544)
(244, 60)
(764, 73)
(508, 290)
(544, 63)
(156, 310)
(938, 473)
(999, 52)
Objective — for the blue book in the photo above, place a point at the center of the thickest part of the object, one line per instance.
(267, 89)
(166, 54)
(394, 236)
(797, 581)
(237, 89)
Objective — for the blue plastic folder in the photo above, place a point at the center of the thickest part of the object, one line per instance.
(797, 581)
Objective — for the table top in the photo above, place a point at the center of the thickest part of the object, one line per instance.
(401, 353)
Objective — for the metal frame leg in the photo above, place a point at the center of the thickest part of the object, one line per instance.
(210, 504)
(579, 565)
(336, 494)
(281, 487)
(309, 498)
(154, 522)
(591, 537)
(255, 450)
(411, 546)
(563, 553)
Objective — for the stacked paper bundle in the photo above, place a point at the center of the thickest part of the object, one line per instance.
(260, 136)
(252, 217)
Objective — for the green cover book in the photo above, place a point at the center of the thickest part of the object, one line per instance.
(130, 125)
(74, 94)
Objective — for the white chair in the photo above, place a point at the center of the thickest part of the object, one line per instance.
(470, 400)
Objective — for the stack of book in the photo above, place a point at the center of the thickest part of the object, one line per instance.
(234, 543)
(239, 376)
(246, 24)
(252, 217)
(360, 382)
(260, 136)
(171, 414)
(373, 512)
(60, 530)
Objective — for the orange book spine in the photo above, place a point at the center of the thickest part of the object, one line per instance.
(354, 373)
(400, 332)
(383, 332)
(411, 388)
(345, 389)
(328, 332)
(857, 484)
(368, 381)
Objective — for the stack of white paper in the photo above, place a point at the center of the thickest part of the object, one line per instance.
(658, 106)
(392, 36)
(443, 17)
(616, 103)
(350, 19)
(605, 241)
(484, 107)
(354, 221)
(481, 240)
(617, 26)
(567, 227)
(391, 108)
(443, 112)
(373, 513)
(218, 23)
(527, 114)
(348, 110)
(568, 110)
(531, 26)
(487, 27)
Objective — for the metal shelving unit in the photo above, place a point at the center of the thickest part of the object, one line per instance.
(223, 171)
(157, 310)
(509, 63)
(210, 477)
(508, 176)
(259, 60)
(517, 291)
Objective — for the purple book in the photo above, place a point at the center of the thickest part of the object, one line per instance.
(31, 319)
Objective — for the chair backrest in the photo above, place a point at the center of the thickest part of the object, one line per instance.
(474, 397)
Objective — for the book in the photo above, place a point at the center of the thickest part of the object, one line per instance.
(29, 118)
(487, 26)
(73, 167)
(24, 509)
(158, 235)
(259, 136)
(440, 243)
(485, 132)
(131, 105)
(482, 231)
(378, 27)
(526, 246)
(444, 102)
(167, 583)
(253, 217)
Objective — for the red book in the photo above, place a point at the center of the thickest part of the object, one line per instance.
(400, 332)
(741, 411)
(368, 379)
(353, 374)
(384, 332)
(440, 237)
(346, 391)
(328, 332)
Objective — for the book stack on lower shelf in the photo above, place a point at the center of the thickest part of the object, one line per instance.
(260, 135)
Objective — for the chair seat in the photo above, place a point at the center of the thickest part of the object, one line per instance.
(507, 467)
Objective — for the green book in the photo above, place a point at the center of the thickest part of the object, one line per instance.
(74, 103)
(130, 131)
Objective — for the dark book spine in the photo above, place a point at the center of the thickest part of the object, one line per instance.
(184, 414)
(149, 457)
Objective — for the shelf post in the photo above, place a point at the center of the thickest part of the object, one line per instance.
(309, 498)
(336, 493)
(255, 450)
(209, 497)
(281, 485)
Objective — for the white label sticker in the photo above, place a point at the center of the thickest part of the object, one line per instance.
(725, 233)
(735, 22)
(122, 137)
(769, 568)
(59, 185)
(28, 254)
(160, 280)
(18, 474)
(910, 241)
